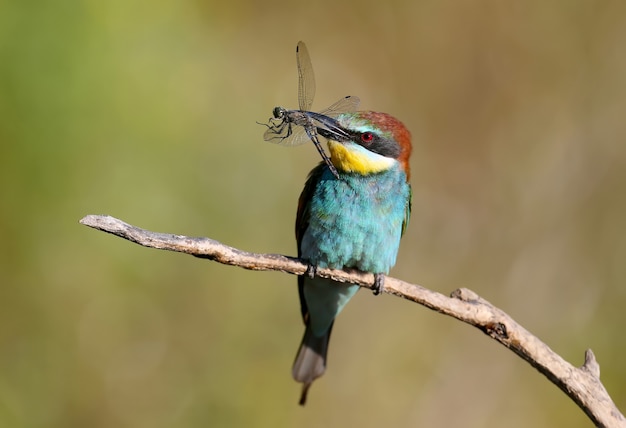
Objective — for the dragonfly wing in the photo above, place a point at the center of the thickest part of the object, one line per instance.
(347, 104)
(286, 134)
(306, 77)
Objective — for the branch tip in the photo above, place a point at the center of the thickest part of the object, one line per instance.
(591, 365)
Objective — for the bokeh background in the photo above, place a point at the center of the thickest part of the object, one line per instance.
(146, 111)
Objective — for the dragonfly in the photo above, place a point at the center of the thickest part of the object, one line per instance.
(295, 127)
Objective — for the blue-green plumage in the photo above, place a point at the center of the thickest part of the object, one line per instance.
(355, 222)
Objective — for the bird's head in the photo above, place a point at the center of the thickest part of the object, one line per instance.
(367, 142)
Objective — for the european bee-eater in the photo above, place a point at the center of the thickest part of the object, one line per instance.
(350, 220)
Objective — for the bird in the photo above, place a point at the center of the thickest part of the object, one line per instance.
(353, 219)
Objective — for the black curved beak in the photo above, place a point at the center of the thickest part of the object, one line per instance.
(329, 128)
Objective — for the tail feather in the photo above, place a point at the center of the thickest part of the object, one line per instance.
(310, 362)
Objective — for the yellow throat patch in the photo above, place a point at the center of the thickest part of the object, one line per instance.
(354, 158)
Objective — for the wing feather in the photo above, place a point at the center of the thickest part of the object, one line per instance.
(302, 223)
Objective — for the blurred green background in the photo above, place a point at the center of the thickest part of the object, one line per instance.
(146, 111)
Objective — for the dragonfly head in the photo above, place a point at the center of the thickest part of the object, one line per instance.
(279, 112)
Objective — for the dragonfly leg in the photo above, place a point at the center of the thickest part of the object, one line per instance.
(310, 130)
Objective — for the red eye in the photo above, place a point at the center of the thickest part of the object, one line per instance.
(367, 137)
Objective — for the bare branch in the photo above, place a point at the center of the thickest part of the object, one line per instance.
(582, 385)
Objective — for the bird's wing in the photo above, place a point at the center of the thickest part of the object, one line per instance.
(407, 210)
(302, 223)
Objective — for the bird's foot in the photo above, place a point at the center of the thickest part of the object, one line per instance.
(379, 283)
(311, 271)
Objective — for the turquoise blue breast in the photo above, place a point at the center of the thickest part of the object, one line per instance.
(356, 221)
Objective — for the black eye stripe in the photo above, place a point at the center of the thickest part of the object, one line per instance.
(378, 144)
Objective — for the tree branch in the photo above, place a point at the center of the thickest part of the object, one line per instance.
(582, 384)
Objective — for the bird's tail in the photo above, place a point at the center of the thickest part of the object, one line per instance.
(310, 362)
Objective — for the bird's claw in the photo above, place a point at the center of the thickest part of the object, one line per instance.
(379, 283)
(311, 271)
